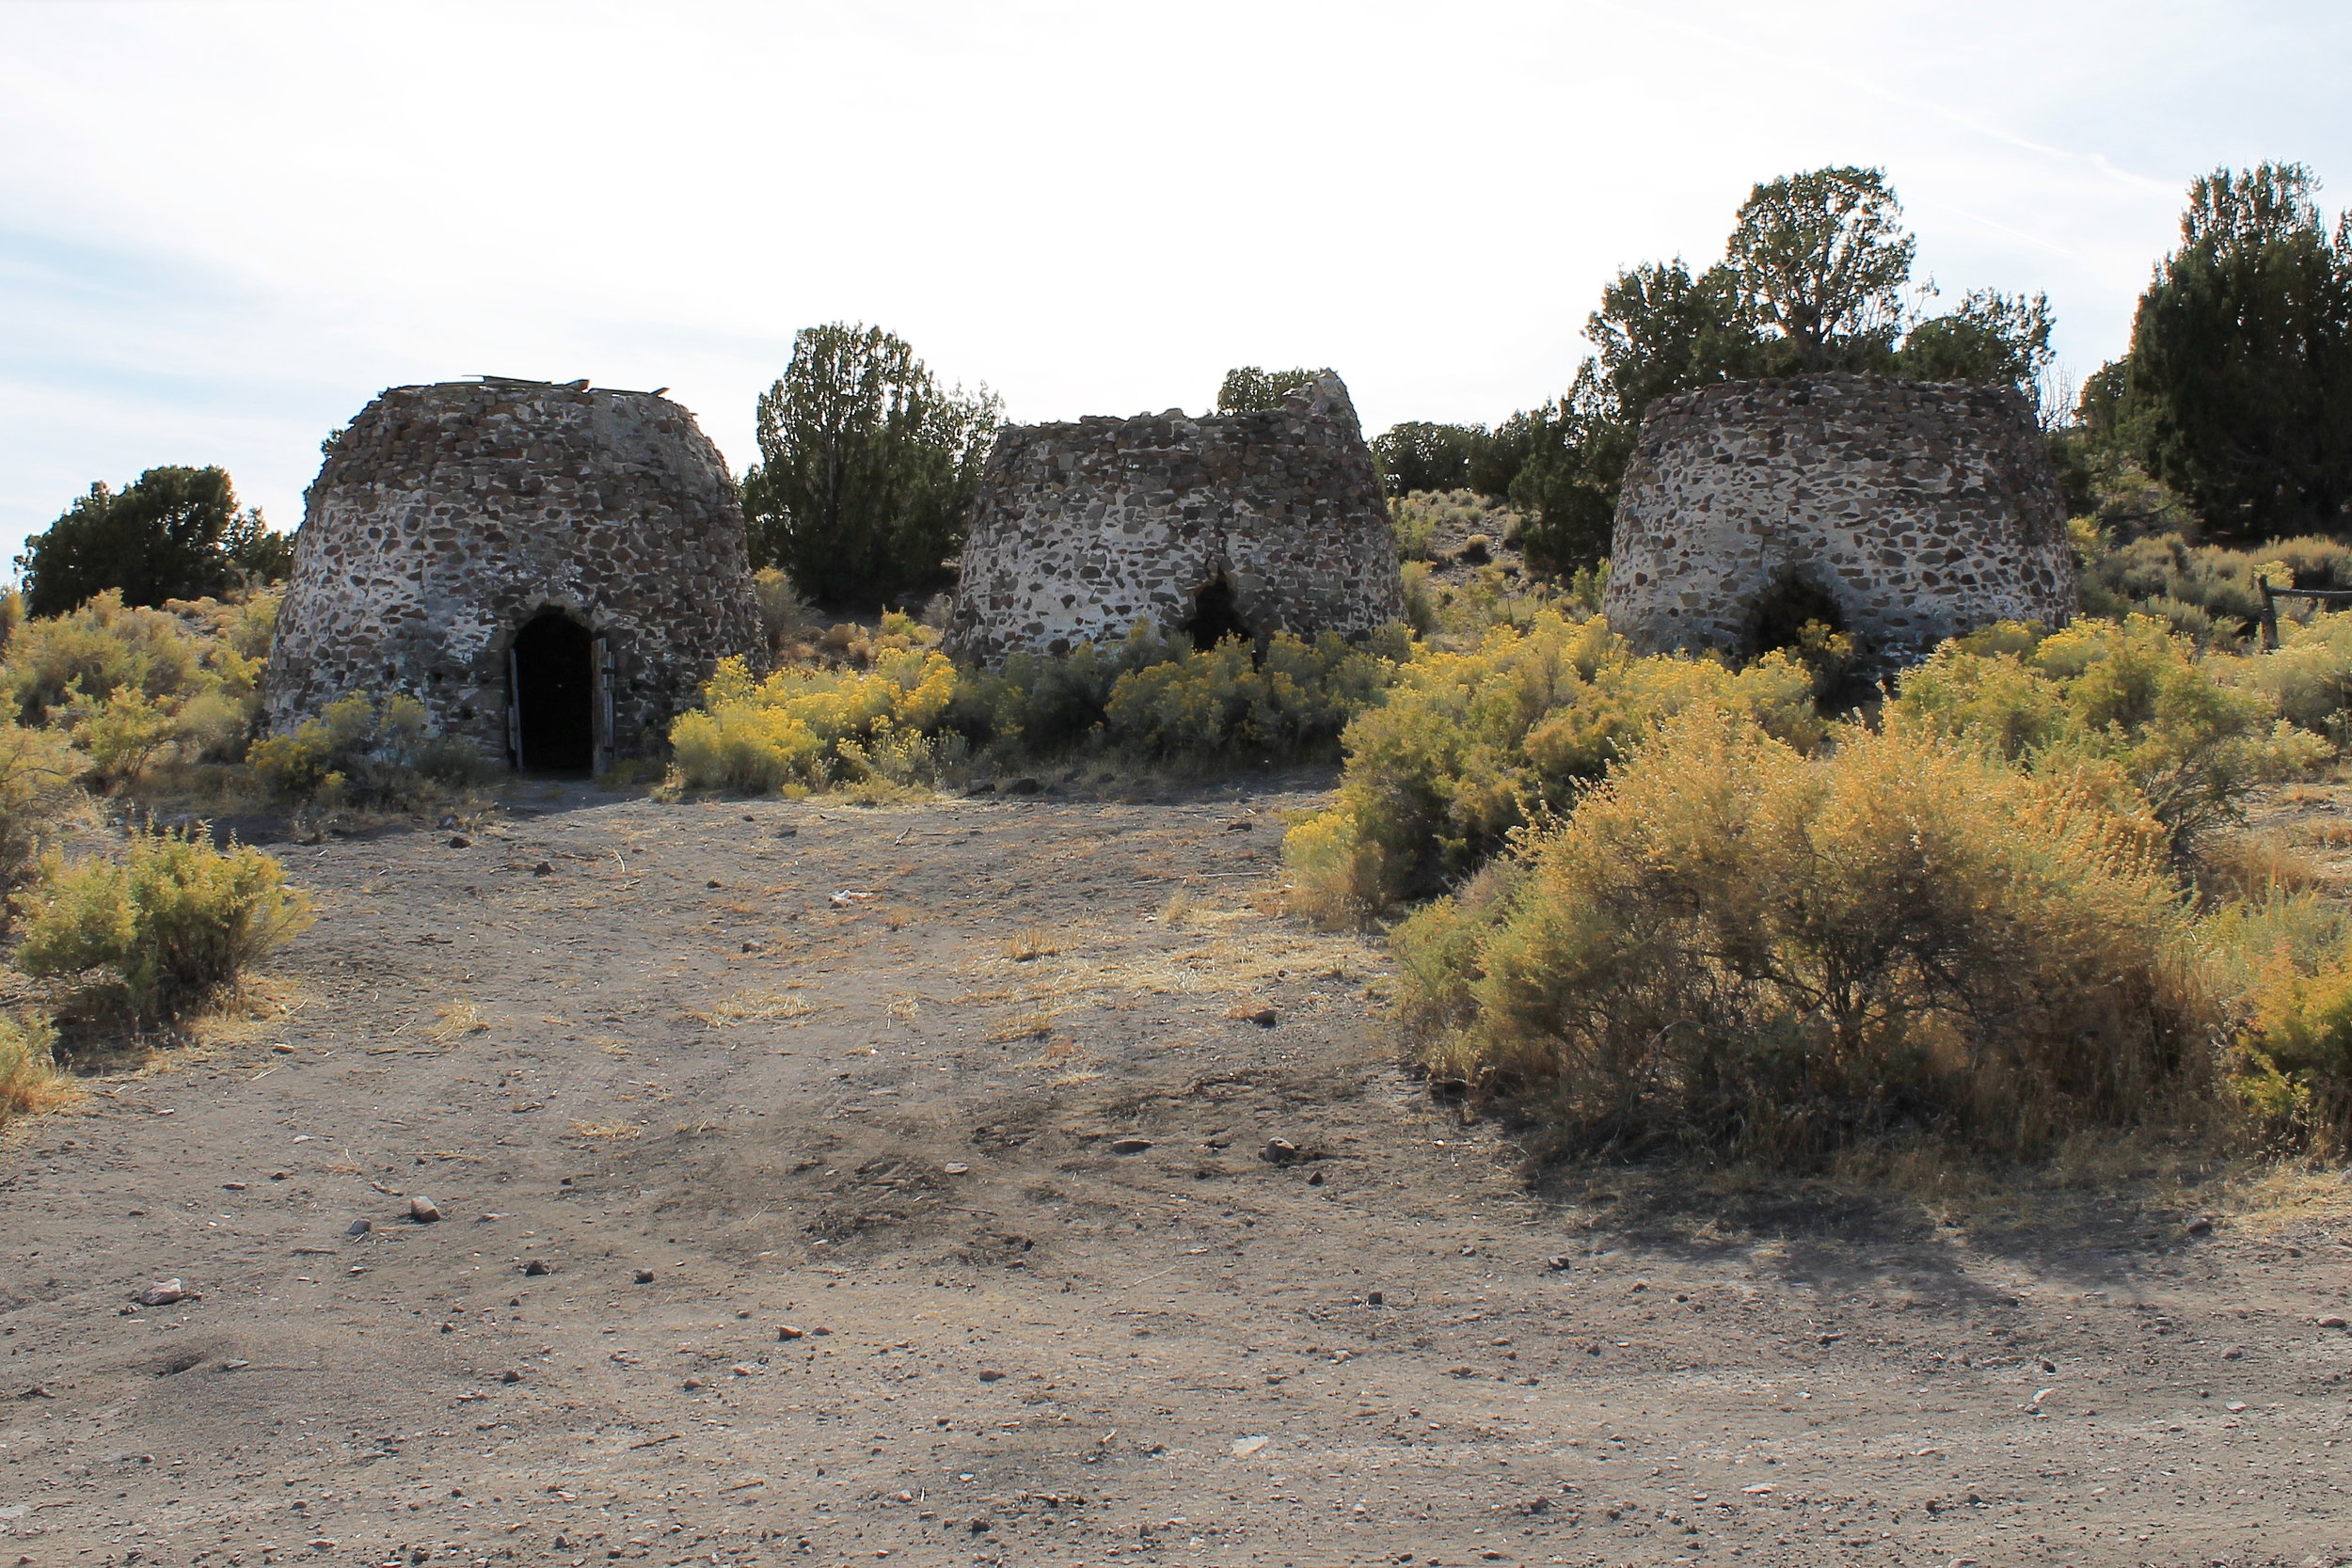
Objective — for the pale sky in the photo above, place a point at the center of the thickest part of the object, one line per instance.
(225, 227)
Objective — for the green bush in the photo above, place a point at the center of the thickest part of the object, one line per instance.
(91, 652)
(171, 922)
(358, 750)
(1732, 945)
(1227, 705)
(2206, 592)
(1470, 746)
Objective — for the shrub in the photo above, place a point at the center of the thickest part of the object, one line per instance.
(1037, 705)
(801, 729)
(1420, 517)
(29, 1080)
(93, 651)
(2294, 1071)
(359, 751)
(2132, 699)
(38, 797)
(2309, 679)
(785, 621)
(1729, 944)
(2207, 591)
(174, 921)
(1223, 702)
(1470, 746)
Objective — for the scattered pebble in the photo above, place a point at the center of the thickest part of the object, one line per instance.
(163, 1293)
(535, 1267)
(644, 1277)
(2201, 1227)
(1244, 1446)
(1130, 1146)
(1279, 1151)
(957, 1167)
(459, 841)
(545, 868)
(785, 1331)
(510, 1375)
(422, 1209)
(359, 1227)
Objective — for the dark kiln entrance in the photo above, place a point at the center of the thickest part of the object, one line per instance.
(1216, 616)
(1780, 614)
(553, 671)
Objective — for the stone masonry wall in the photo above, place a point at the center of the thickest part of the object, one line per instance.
(449, 515)
(1082, 530)
(1924, 510)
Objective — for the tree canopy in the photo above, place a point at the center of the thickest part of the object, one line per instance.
(1417, 455)
(868, 469)
(1816, 276)
(2237, 387)
(174, 534)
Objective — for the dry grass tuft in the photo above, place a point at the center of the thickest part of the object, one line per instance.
(1029, 946)
(1180, 909)
(754, 1007)
(1028, 1026)
(619, 1132)
(454, 1020)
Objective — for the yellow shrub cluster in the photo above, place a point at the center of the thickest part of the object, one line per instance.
(173, 921)
(2191, 734)
(801, 729)
(1468, 746)
(1731, 943)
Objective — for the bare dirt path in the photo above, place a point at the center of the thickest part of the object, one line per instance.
(987, 1144)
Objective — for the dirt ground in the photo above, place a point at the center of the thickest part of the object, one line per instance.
(824, 1185)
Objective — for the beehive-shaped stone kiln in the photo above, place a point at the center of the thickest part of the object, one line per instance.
(1232, 523)
(1902, 513)
(551, 570)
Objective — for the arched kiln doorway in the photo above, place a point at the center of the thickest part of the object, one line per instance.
(1215, 615)
(551, 715)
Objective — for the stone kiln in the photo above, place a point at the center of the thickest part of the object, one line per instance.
(1900, 513)
(551, 570)
(1246, 523)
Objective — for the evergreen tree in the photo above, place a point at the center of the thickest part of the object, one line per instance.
(2237, 388)
(176, 534)
(1417, 455)
(867, 469)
